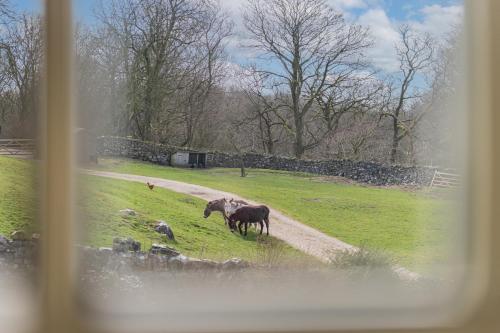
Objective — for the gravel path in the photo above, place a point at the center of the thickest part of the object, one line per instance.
(296, 234)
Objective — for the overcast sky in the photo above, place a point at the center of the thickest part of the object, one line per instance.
(381, 16)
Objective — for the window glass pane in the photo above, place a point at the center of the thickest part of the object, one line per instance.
(21, 54)
(337, 126)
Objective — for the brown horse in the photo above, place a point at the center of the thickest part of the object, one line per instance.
(224, 206)
(249, 215)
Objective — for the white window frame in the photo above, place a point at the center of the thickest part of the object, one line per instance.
(58, 304)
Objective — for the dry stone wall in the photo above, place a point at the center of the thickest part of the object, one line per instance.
(136, 149)
(22, 254)
(364, 172)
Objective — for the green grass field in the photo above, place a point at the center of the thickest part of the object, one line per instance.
(101, 199)
(414, 227)
(18, 194)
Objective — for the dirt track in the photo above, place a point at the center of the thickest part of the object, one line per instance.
(296, 234)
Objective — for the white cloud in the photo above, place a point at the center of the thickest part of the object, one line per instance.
(235, 9)
(349, 7)
(237, 76)
(347, 4)
(385, 37)
(438, 20)
(235, 51)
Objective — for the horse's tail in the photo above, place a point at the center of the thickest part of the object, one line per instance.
(266, 218)
(266, 209)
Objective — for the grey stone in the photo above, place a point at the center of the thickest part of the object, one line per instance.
(235, 263)
(125, 245)
(4, 240)
(180, 257)
(127, 212)
(4, 243)
(106, 250)
(164, 250)
(18, 235)
(177, 262)
(163, 228)
(193, 263)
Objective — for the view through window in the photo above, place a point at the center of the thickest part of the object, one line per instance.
(21, 54)
(252, 164)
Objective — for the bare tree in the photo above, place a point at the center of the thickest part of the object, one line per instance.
(154, 34)
(171, 54)
(21, 51)
(101, 82)
(311, 46)
(208, 69)
(360, 137)
(415, 53)
(350, 95)
(6, 13)
(232, 134)
(262, 107)
(436, 132)
(240, 133)
(262, 111)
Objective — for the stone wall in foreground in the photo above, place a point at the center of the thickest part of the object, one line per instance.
(364, 172)
(22, 254)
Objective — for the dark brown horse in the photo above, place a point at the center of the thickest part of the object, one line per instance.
(249, 215)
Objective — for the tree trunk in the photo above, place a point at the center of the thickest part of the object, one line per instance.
(295, 89)
(270, 147)
(299, 143)
(189, 132)
(270, 141)
(148, 110)
(243, 171)
(395, 141)
(413, 159)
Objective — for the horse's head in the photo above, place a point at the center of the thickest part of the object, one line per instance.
(232, 222)
(214, 205)
(208, 209)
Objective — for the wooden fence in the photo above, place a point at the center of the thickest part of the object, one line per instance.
(445, 180)
(17, 147)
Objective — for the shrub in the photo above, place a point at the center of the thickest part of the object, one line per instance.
(361, 258)
(270, 252)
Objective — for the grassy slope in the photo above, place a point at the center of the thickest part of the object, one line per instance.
(101, 200)
(412, 226)
(18, 193)
(194, 235)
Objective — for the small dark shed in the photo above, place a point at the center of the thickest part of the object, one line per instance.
(189, 158)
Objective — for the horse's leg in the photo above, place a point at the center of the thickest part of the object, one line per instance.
(246, 227)
(267, 225)
(261, 226)
(226, 219)
(239, 228)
